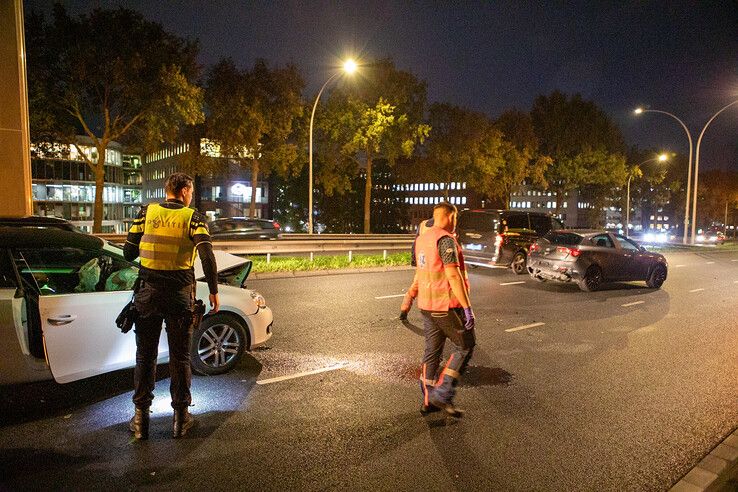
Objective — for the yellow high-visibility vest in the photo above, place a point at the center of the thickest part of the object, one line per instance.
(167, 241)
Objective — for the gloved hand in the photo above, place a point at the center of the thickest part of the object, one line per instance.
(468, 318)
(407, 303)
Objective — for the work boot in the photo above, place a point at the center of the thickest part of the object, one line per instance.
(426, 409)
(183, 421)
(445, 404)
(139, 424)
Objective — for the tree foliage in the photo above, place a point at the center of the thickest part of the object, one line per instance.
(585, 146)
(252, 116)
(110, 75)
(378, 117)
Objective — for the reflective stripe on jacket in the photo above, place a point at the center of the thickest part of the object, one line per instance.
(434, 290)
(167, 242)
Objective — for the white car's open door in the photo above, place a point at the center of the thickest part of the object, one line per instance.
(80, 336)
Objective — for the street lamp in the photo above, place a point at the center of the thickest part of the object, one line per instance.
(689, 167)
(349, 67)
(697, 164)
(660, 158)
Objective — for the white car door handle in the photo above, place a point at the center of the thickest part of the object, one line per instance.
(62, 320)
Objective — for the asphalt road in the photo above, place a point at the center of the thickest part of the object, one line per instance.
(622, 389)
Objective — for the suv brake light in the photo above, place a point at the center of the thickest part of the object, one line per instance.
(276, 225)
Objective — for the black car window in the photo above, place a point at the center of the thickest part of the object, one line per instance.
(478, 221)
(563, 238)
(517, 222)
(540, 223)
(267, 224)
(626, 243)
(602, 241)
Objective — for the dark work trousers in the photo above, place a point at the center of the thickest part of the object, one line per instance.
(438, 326)
(154, 305)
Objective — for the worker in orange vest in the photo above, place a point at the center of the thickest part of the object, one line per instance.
(412, 292)
(443, 300)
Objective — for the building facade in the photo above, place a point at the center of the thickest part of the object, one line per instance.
(64, 185)
(225, 193)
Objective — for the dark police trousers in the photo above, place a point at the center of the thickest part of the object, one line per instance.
(154, 305)
(437, 327)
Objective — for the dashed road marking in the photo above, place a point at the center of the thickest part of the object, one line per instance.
(696, 290)
(390, 297)
(710, 262)
(524, 327)
(679, 266)
(633, 303)
(735, 281)
(733, 260)
(513, 283)
(303, 374)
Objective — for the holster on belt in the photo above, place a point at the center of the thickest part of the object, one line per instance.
(198, 311)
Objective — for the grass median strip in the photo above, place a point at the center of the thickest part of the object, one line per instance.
(336, 262)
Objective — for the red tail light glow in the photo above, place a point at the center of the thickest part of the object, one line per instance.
(534, 247)
(276, 225)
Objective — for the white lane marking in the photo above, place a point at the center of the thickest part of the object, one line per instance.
(303, 374)
(710, 262)
(735, 281)
(633, 303)
(390, 297)
(733, 260)
(513, 283)
(696, 290)
(524, 327)
(679, 266)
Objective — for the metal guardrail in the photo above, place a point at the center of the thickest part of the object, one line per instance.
(305, 243)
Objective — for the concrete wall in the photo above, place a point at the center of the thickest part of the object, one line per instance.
(15, 157)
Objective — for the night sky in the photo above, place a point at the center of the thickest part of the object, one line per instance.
(675, 56)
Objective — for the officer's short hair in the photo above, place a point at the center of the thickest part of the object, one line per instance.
(449, 208)
(177, 182)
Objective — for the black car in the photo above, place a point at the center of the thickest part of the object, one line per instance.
(38, 221)
(590, 258)
(244, 228)
(491, 237)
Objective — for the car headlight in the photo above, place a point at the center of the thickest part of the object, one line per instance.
(700, 238)
(258, 299)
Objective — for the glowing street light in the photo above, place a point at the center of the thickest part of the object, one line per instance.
(349, 67)
(663, 157)
(639, 111)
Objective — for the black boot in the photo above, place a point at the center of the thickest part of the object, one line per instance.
(139, 424)
(183, 421)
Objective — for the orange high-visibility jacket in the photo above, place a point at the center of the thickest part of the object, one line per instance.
(434, 290)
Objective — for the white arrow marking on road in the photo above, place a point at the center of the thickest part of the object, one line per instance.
(303, 374)
(710, 262)
(524, 327)
(513, 283)
(678, 266)
(633, 303)
(697, 290)
(390, 297)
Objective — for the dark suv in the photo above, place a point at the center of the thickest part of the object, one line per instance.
(492, 237)
(244, 228)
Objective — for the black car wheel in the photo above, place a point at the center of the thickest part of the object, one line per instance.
(657, 277)
(519, 263)
(217, 344)
(592, 279)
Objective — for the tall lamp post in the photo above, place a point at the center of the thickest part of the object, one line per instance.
(349, 67)
(660, 158)
(689, 167)
(697, 165)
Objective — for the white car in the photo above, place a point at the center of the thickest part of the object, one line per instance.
(61, 291)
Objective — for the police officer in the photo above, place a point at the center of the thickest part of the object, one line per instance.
(443, 299)
(167, 236)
